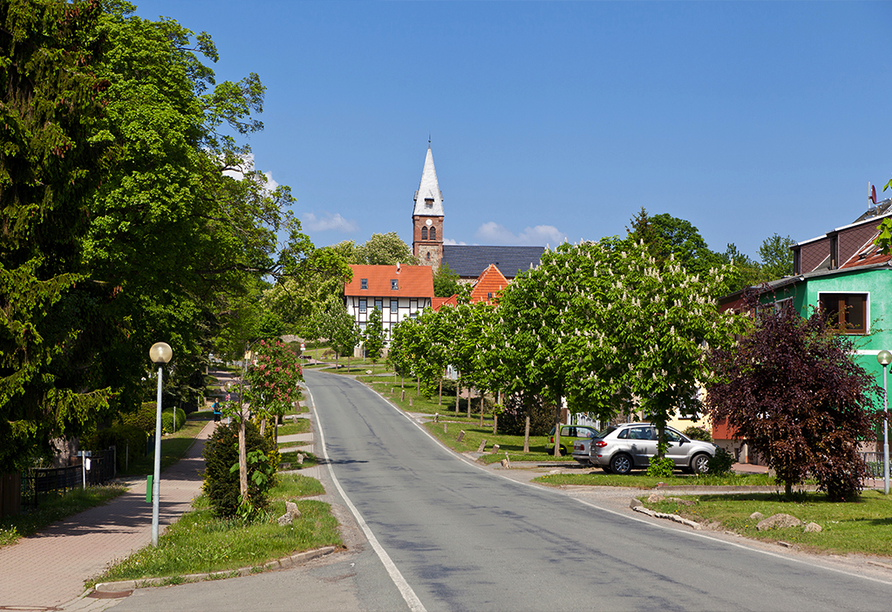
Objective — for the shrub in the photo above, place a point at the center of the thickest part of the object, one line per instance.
(512, 420)
(167, 420)
(660, 467)
(720, 464)
(698, 433)
(221, 481)
(127, 439)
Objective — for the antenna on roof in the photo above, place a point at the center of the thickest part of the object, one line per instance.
(871, 194)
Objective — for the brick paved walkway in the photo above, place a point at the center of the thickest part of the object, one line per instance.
(49, 569)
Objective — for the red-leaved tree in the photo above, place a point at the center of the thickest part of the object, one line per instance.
(793, 391)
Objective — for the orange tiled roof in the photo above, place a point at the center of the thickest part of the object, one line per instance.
(491, 281)
(413, 281)
(437, 302)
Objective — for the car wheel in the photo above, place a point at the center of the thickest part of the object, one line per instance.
(700, 463)
(621, 464)
(563, 451)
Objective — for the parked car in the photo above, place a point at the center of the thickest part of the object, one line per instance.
(581, 450)
(570, 434)
(621, 448)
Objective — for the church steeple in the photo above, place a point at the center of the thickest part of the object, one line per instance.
(429, 198)
(427, 216)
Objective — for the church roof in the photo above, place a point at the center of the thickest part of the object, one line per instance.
(469, 261)
(428, 198)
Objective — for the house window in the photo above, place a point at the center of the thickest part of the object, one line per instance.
(428, 256)
(413, 315)
(362, 305)
(379, 303)
(363, 283)
(394, 306)
(433, 233)
(846, 311)
(394, 284)
(489, 295)
(424, 233)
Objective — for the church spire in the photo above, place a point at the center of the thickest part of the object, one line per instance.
(429, 198)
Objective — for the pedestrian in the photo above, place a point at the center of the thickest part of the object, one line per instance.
(216, 411)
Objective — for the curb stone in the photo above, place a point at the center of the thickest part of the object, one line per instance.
(283, 563)
(637, 506)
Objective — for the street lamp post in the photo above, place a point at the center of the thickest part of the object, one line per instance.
(885, 358)
(160, 353)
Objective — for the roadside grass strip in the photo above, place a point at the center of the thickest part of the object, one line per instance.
(640, 480)
(859, 527)
(297, 426)
(474, 435)
(201, 543)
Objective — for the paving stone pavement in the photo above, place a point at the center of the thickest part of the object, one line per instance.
(47, 571)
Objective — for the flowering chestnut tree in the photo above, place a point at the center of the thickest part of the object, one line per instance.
(273, 380)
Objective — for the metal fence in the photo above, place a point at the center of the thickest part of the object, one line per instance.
(874, 463)
(99, 469)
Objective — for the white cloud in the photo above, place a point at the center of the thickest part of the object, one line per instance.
(451, 241)
(494, 233)
(248, 164)
(328, 222)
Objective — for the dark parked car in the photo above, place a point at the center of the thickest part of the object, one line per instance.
(621, 448)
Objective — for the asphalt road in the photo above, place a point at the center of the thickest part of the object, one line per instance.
(452, 536)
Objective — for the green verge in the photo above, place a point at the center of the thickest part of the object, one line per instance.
(640, 480)
(54, 507)
(474, 434)
(298, 426)
(291, 457)
(861, 527)
(200, 542)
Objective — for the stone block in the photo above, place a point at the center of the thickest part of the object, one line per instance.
(778, 521)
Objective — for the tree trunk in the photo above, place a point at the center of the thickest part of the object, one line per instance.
(469, 401)
(262, 426)
(495, 423)
(457, 392)
(482, 395)
(242, 460)
(557, 430)
(526, 435)
(440, 396)
(418, 387)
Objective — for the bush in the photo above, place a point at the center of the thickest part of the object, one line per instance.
(167, 420)
(720, 464)
(512, 420)
(221, 481)
(126, 438)
(698, 433)
(660, 467)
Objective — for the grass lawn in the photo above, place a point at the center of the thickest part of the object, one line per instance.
(291, 457)
(640, 480)
(863, 526)
(200, 542)
(52, 507)
(297, 426)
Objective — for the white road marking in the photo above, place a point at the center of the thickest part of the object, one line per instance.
(405, 590)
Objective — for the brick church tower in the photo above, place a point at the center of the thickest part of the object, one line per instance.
(427, 217)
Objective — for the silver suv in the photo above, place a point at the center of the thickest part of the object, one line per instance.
(620, 448)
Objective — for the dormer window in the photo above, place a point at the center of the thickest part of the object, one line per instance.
(394, 284)
(428, 202)
(363, 283)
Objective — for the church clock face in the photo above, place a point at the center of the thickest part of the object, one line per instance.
(429, 222)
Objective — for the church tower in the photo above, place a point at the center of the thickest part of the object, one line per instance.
(427, 217)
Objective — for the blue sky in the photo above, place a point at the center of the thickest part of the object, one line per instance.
(561, 120)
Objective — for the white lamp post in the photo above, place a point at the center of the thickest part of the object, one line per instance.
(160, 354)
(885, 358)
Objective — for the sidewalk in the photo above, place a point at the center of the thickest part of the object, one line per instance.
(48, 570)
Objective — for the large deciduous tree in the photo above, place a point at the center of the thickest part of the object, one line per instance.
(777, 258)
(791, 389)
